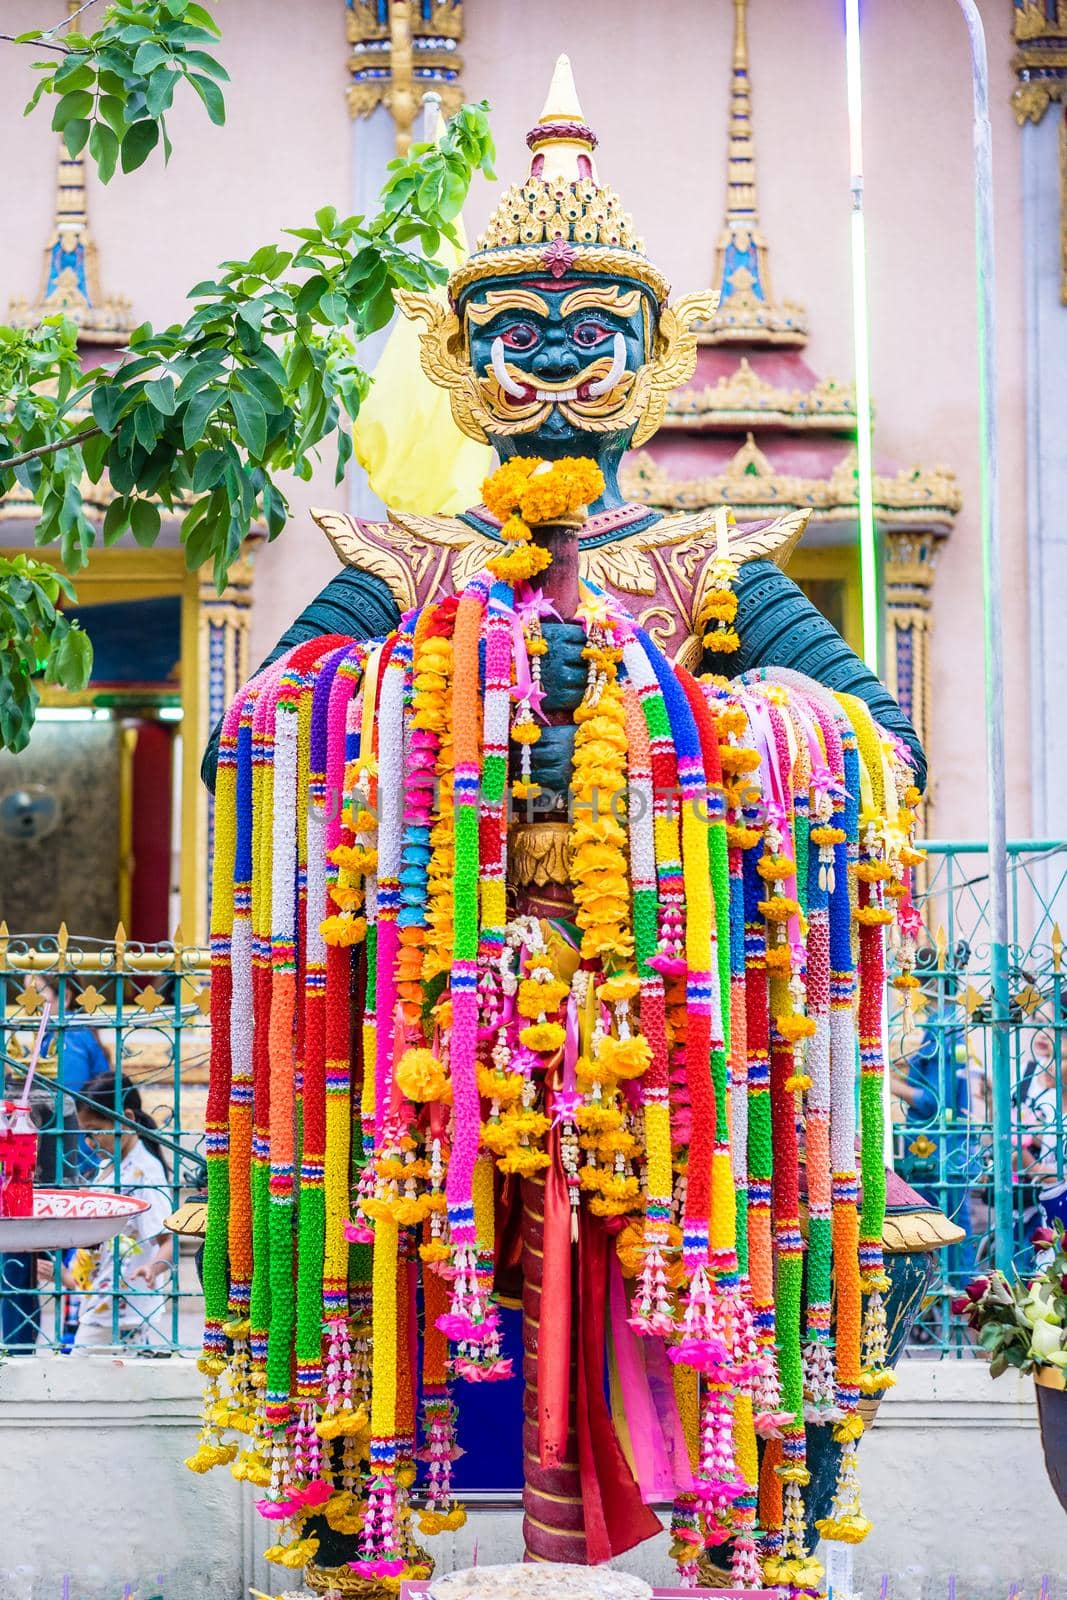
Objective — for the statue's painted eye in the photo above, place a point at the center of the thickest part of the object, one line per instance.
(588, 333)
(521, 336)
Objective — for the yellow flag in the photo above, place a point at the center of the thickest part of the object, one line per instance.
(415, 457)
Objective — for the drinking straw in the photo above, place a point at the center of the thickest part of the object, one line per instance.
(24, 1103)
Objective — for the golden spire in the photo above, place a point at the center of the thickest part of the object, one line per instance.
(561, 102)
(561, 143)
(561, 215)
(740, 155)
(748, 312)
(71, 283)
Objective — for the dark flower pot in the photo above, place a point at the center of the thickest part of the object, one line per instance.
(1052, 1415)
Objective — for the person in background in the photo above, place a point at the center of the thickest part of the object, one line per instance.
(1043, 1094)
(80, 1057)
(942, 1157)
(131, 1161)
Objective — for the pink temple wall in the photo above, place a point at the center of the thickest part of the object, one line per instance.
(653, 80)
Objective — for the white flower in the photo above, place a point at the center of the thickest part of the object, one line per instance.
(1046, 1345)
(1038, 1308)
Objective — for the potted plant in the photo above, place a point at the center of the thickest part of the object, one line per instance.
(1024, 1325)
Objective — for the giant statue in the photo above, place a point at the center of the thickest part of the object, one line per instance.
(556, 844)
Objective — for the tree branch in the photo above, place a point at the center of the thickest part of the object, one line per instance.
(69, 19)
(41, 44)
(46, 40)
(48, 449)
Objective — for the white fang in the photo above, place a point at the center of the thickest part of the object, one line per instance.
(618, 367)
(500, 372)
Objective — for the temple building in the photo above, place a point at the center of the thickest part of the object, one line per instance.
(758, 429)
(168, 654)
(314, 116)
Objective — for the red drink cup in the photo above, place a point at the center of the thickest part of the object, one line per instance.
(18, 1147)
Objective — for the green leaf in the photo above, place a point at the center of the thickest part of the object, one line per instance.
(39, 89)
(145, 522)
(113, 111)
(104, 149)
(252, 312)
(198, 536)
(116, 520)
(72, 664)
(107, 403)
(160, 91)
(148, 56)
(211, 95)
(138, 143)
(326, 217)
(200, 408)
(74, 74)
(205, 63)
(334, 306)
(161, 393)
(311, 292)
(202, 18)
(453, 194)
(208, 470)
(251, 420)
(206, 368)
(147, 426)
(74, 106)
(74, 136)
(94, 454)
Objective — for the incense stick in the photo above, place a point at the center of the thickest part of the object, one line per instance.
(24, 1103)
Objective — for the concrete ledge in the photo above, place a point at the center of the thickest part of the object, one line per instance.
(92, 1482)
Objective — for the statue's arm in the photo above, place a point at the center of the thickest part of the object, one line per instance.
(354, 602)
(779, 627)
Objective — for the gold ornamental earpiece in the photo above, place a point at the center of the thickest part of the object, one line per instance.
(443, 353)
(675, 358)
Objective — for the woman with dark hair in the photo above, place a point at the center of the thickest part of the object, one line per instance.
(123, 1307)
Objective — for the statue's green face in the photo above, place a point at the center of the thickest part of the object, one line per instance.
(561, 365)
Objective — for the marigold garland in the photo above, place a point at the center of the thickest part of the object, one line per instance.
(676, 1062)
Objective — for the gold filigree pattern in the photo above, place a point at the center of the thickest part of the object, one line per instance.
(422, 558)
(611, 260)
(394, 62)
(676, 356)
(749, 480)
(742, 398)
(1040, 64)
(539, 854)
(415, 556)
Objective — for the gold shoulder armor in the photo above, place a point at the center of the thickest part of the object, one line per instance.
(418, 557)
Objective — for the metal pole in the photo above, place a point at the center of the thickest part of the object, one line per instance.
(993, 640)
(870, 598)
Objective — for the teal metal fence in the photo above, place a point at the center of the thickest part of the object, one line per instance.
(145, 1011)
(942, 1066)
(140, 1013)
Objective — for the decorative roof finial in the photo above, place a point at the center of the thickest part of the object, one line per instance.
(71, 283)
(748, 313)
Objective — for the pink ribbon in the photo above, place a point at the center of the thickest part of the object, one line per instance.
(567, 1101)
(660, 1458)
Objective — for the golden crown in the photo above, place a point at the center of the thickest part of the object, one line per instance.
(562, 218)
